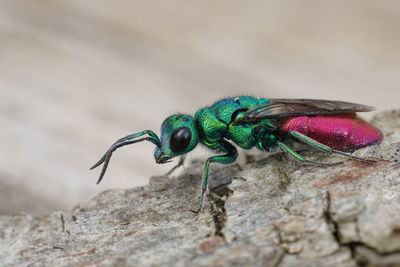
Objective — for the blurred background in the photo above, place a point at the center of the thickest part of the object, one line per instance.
(77, 75)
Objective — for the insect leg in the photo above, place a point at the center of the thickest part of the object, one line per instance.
(180, 163)
(298, 157)
(321, 147)
(227, 158)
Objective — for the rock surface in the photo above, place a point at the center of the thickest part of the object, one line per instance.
(268, 212)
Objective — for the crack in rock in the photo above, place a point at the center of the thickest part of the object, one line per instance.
(329, 219)
(362, 254)
(218, 197)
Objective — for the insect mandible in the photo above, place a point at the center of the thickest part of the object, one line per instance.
(328, 126)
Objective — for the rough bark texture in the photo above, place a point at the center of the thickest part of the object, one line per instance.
(268, 212)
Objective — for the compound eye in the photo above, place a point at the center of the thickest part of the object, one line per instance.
(180, 139)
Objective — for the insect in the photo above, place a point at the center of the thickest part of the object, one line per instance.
(328, 126)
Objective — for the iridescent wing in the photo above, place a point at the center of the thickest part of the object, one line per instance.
(282, 108)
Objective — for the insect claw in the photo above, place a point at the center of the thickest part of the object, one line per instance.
(180, 163)
(370, 161)
(203, 192)
(196, 211)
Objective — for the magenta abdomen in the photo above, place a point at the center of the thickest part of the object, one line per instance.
(345, 132)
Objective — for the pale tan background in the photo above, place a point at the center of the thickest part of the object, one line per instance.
(76, 75)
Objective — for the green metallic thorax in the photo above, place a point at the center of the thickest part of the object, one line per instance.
(222, 121)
